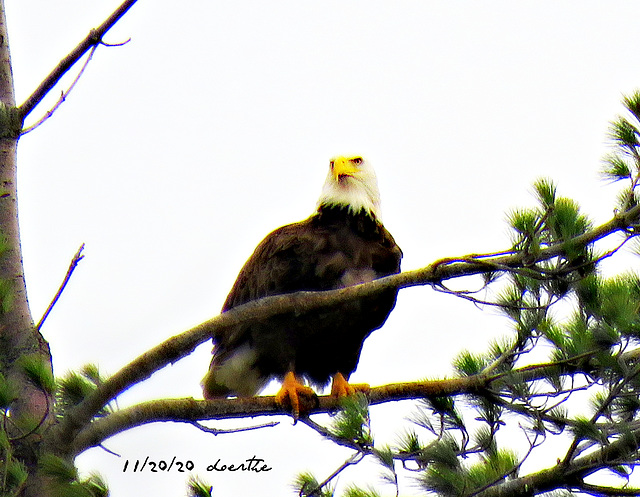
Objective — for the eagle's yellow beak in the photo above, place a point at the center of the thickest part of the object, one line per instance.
(343, 166)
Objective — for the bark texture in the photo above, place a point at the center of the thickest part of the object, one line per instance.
(18, 336)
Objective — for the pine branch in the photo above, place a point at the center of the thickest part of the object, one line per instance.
(613, 393)
(189, 410)
(93, 38)
(609, 491)
(570, 476)
(300, 303)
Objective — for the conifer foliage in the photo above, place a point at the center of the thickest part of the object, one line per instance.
(572, 374)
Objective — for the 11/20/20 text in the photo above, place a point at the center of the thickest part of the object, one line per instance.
(253, 464)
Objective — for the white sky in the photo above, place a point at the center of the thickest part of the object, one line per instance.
(178, 152)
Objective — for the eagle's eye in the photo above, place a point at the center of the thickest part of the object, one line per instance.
(357, 160)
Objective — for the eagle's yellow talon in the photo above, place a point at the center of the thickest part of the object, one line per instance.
(340, 387)
(290, 393)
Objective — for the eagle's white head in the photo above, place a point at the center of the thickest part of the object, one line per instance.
(351, 183)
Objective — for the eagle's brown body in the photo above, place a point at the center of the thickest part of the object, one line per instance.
(334, 248)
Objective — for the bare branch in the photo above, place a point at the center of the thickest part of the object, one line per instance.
(72, 266)
(600, 491)
(93, 38)
(121, 44)
(352, 461)
(63, 95)
(218, 431)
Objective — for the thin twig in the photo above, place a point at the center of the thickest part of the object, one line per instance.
(513, 471)
(465, 295)
(121, 44)
(74, 262)
(92, 39)
(327, 433)
(354, 459)
(600, 491)
(63, 96)
(108, 451)
(542, 366)
(217, 431)
(615, 390)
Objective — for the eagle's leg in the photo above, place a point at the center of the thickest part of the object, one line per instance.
(340, 387)
(290, 393)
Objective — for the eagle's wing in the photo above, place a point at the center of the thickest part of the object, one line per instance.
(275, 267)
(285, 261)
(301, 257)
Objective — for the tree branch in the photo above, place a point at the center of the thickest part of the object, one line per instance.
(609, 491)
(63, 96)
(189, 410)
(300, 303)
(93, 38)
(569, 476)
(72, 266)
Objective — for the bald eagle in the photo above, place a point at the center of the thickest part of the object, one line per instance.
(343, 243)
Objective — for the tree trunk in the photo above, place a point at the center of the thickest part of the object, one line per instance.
(18, 336)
